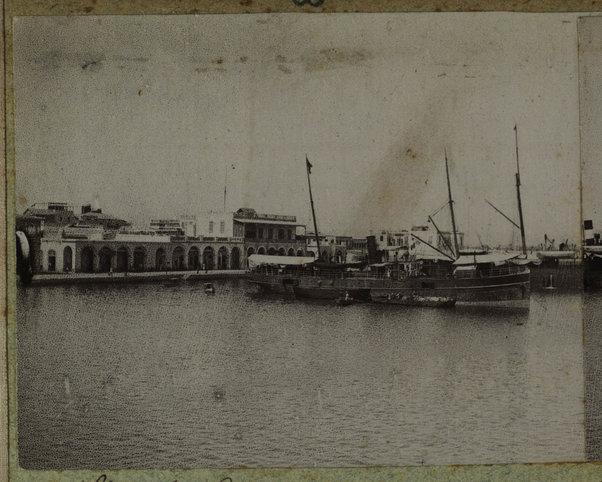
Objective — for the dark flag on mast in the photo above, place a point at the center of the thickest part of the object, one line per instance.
(311, 201)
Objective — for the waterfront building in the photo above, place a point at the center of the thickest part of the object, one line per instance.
(169, 227)
(123, 251)
(95, 217)
(330, 248)
(53, 213)
(393, 245)
(346, 241)
(443, 241)
(359, 244)
(97, 242)
(218, 224)
(271, 234)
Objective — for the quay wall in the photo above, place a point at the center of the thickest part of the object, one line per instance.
(133, 277)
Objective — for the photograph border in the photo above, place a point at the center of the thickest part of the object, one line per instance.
(9, 466)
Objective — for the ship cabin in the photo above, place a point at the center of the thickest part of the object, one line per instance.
(398, 270)
(487, 265)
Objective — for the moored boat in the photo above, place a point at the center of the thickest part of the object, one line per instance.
(276, 274)
(452, 276)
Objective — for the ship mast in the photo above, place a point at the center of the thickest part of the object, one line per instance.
(451, 208)
(520, 206)
(311, 200)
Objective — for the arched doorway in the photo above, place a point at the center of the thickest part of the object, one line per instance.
(250, 251)
(311, 254)
(272, 251)
(177, 258)
(261, 250)
(160, 259)
(51, 260)
(121, 260)
(291, 252)
(87, 260)
(139, 258)
(222, 258)
(67, 259)
(208, 258)
(281, 252)
(324, 256)
(235, 258)
(194, 258)
(299, 252)
(339, 255)
(104, 260)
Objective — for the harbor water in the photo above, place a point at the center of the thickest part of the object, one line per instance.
(154, 375)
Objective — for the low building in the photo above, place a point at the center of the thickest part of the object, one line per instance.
(53, 213)
(169, 227)
(330, 249)
(443, 242)
(420, 241)
(131, 252)
(272, 234)
(360, 244)
(218, 224)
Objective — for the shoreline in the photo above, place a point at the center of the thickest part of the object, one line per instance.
(565, 278)
(133, 277)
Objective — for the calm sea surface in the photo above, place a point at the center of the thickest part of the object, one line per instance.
(157, 376)
(592, 325)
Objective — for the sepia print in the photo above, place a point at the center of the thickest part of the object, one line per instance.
(290, 240)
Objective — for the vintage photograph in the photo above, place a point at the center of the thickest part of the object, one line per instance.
(291, 240)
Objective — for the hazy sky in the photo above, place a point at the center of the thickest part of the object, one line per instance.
(590, 35)
(148, 113)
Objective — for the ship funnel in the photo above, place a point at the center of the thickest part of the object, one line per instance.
(588, 232)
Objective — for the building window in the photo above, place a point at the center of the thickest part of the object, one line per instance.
(210, 226)
(51, 260)
(270, 233)
(222, 226)
(281, 234)
(290, 234)
(260, 233)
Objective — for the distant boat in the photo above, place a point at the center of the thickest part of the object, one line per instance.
(209, 288)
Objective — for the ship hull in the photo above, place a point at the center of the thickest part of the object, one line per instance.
(490, 289)
(469, 290)
(331, 293)
(274, 284)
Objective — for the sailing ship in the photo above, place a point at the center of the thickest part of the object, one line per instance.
(449, 278)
